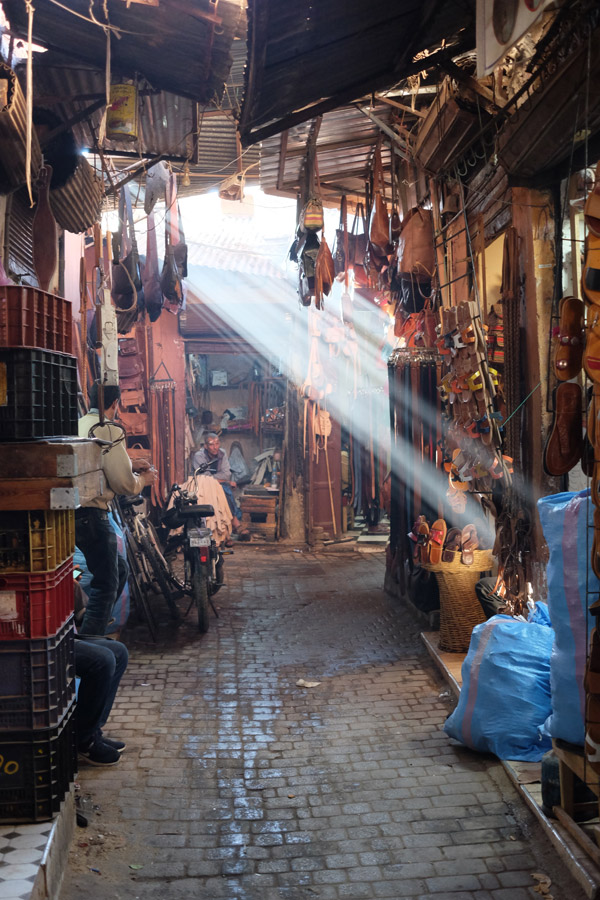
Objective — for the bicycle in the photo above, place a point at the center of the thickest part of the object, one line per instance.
(147, 564)
(202, 560)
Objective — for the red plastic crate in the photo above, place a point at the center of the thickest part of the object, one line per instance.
(33, 318)
(35, 604)
(38, 680)
(38, 767)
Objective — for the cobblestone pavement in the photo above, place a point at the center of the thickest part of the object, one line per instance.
(238, 784)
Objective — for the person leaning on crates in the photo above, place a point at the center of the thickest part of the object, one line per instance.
(94, 534)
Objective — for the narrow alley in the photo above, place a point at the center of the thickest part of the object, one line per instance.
(237, 783)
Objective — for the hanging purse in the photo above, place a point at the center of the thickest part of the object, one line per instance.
(357, 246)
(416, 244)
(379, 223)
(324, 273)
(342, 243)
(171, 277)
(126, 279)
(153, 294)
(134, 423)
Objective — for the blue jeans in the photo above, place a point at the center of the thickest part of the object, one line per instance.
(235, 509)
(95, 537)
(99, 664)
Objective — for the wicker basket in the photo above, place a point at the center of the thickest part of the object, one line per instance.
(460, 610)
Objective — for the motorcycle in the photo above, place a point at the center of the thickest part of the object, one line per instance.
(203, 564)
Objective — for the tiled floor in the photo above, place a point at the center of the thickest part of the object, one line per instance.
(22, 849)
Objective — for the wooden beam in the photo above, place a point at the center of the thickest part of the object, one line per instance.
(78, 117)
(402, 106)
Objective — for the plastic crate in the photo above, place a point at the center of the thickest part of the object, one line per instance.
(33, 318)
(36, 770)
(38, 541)
(38, 394)
(35, 605)
(38, 680)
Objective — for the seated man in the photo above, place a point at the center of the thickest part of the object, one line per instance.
(218, 466)
(99, 665)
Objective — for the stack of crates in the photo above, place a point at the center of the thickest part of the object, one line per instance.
(38, 399)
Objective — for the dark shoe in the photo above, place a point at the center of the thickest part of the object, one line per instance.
(99, 753)
(119, 746)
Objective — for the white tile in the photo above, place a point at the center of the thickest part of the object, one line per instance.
(29, 855)
(4, 842)
(25, 841)
(19, 872)
(10, 890)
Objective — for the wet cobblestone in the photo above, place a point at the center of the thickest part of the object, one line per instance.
(238, 784)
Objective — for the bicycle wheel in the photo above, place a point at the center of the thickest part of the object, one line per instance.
(161, 575)
(200, 598)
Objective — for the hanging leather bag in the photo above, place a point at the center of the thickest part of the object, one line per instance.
(324, 273)
(127, 291)
(135, 423)
(153, 294)
(342, 243)
(379, 223)
(357, 246)
(171, 276)
(416, 244)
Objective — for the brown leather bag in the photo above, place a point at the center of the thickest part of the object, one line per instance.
(134, 423)
(415, 245)
(379, 223)
(357, 246)
(132, 397)
(324, 273)
(136, 451)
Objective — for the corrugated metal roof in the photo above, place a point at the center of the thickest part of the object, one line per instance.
(181, 47)
(306, 58)
(345, 145)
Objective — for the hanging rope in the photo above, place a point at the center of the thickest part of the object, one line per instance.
(30, 11)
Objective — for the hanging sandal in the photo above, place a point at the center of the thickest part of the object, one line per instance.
(590, 280)
(469, 543)
(569, 337)
(563, 447)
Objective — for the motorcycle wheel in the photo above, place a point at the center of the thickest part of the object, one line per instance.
(200, 598)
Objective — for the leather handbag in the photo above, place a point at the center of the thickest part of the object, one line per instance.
(357, 246)
(130, 367)
(324, 273)
(126, 278)
(137, 451)
(340, 250)
(128, 347)
(416, 244)
(153, 294)
(132, 397)
(172, 271)
(135, 423)
(379, 223)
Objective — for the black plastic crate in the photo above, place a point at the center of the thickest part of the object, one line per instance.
(36, 770)
(37, 680)
(38, 394)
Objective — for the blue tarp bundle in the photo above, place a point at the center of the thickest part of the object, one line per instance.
(505, 695)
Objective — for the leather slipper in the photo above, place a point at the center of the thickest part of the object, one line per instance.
(423, 532)
(469, 542)
(591, 210)
(591, 353)
(563, 447)
(590, 280)
(437, 538)
(569, 339)
(452, 544)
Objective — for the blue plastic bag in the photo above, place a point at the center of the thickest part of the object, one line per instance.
(505, 695)
(565, 519)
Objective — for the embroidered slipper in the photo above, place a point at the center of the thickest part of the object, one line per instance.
(437, 537)
(469, 542)
(591, 210)
(415, 537)
(569, 339)
(452, 544)
(590, 280)
(563, 447)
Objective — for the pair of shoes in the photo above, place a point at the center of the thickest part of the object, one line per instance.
(119, 746)
(99, 753)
